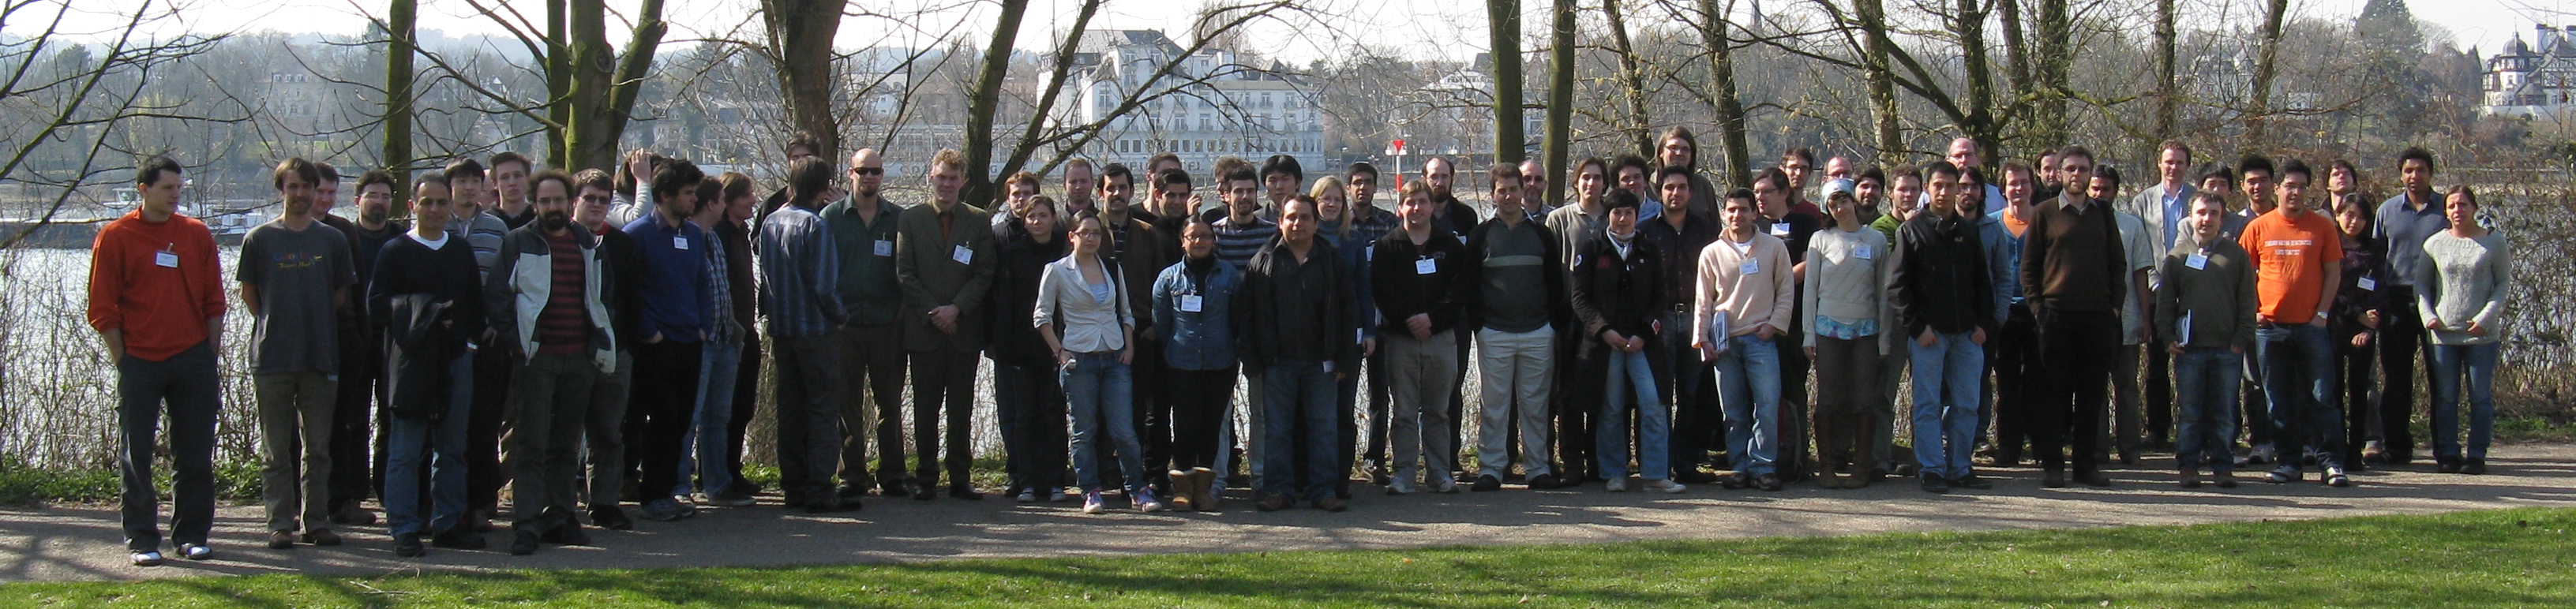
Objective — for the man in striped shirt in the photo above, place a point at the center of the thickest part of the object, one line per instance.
(799, 270)
(543, 298)
(1242, 232)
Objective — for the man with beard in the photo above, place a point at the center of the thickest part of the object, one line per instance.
(1534, 189)
(1137, 247)
(295, 276)
(362, 351)
(1447, 213)
(1680, 148)
(560, 339)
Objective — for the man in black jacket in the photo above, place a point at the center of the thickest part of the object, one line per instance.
(604, 431)
(428, 261)
(1944, 303)
(1418, 276)
(1300, 332)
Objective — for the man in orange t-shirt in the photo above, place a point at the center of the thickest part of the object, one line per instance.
(156, 300)
(2296, 254)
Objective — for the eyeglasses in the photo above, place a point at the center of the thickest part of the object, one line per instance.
(867, 171)
(1091, 232)
(594, 198)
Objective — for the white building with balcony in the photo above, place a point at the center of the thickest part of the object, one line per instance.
(1209, 104)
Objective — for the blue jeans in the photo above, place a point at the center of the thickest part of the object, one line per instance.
(2205, 384)
(2299, 381)
(1748, 381)
(2478, 364)
(720, 363)
(1630, 374)
(1102, 392)
(1301, 395)
(408, 440)
(1945, 402)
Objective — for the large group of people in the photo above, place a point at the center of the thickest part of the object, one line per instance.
(595, 339)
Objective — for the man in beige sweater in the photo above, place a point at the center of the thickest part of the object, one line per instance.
(1740, 307)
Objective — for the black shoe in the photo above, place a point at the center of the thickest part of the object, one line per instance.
(842, 504)
(2223, 479)
(1971, 481)
(523, 542)
(964, 491)
(1274, 502)
(1935, 485)
(2448, 467)
(894, 488)
(1733, 482)
(407, 545)
(924, 493)
(568, 534)
(2053, 476)
(1542, 481)
(1488, 483)
(850, 491)
(2092, 477)
(459, 538)
(1768, 482)
(612, 518)
(2475, 467)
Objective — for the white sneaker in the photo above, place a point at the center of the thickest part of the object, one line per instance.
(1664, 486)
(1616, 485)
(1446, 487)
(1400, 486)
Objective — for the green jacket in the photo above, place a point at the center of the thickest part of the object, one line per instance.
(868, 286)
(2219, 296)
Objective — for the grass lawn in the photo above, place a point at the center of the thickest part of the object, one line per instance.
(2477, 559)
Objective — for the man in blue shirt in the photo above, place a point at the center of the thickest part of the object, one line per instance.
(676, 301)
(2405, 221)
(2165, 206)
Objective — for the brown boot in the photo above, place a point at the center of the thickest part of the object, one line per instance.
(1181, 492)
(1206, 494)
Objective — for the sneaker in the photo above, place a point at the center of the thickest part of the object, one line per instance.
(1542, 481)
(145, 559)
(2263, 454)
(2375, 452)
(320, 537)
(729, 497)
(1488, 483)
(459, 538)
(1091, 503)
(1058, 496)
(1935, 485)
(1971, 481)
(1144, 500)
(612, 518)
(281, 540)
(2284, 475)
(1445, 487)
(1332, 504)
(964, 491)
(1616, 485)
(407, 545)
(1664, 486)
(1400, 486)
(196, 551)
(2335, 478)
(523, 542)
(1027, 495)
(845, 491)
(663, 509)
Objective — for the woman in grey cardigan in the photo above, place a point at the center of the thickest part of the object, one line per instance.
(2460, 290)
(1082, 313)
(1847, 265)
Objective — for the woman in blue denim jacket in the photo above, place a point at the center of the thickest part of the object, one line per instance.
(1194, 299)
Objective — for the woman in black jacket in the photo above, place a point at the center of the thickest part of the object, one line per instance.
(1027, 398)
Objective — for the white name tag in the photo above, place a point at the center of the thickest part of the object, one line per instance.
(1780, 229)
(679, 242)
(1751, 266)
(2369, 284)
(165, 260)
(885, 248)
(1192, 303)
(1425, 266)
(1328, 367)
(2196, 261)
(962, 255)
(1863, 252)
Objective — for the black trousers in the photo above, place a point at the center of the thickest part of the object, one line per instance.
(1795, 460)
(1697, 417)
(658, 412)
(1380, 406)
(746, 390)
(2159, 390)
(1153, 410)
(2076, 349)
(2013, 354)
(808, 415)
(484, 473)
(1199, 399)
(943, 380)
(362, 370)
(2401, 346)
(187, 385)
(2360, 395)
(1577, 403)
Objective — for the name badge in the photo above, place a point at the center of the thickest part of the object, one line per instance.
(1426, 266)
(1192, 303)
(679, 242)
(1328, 367)
(1779, 229)
(165, 260)
(1863, 252)
(962, 255)
(2196, 261)
(2369, 284)
(885, 248)
(1751, 266)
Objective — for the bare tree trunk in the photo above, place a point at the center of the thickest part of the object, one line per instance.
(1730, 109)
(1888, 134)
(1504, 28)
(1559, 141)
(1632, 79)
(2259, 107)
(601, 99)
(1980, 122)
(558, 62)
(986, 100)
(2016, 48)
(401, 25)
(800, 37)
(2056, 56)
(2168, 101)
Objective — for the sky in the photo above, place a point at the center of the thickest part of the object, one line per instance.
(1444, 29)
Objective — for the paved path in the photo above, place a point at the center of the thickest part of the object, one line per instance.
(82, 543)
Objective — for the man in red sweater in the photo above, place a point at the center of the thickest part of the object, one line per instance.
(156, 300)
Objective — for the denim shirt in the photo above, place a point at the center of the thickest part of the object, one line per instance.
(1203, 340)
(1355, 260)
